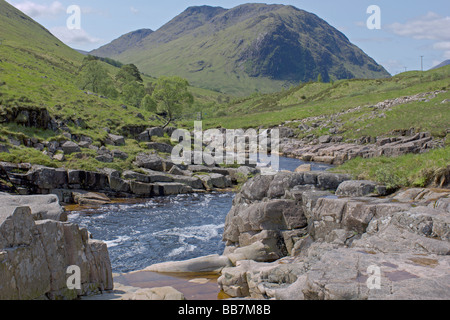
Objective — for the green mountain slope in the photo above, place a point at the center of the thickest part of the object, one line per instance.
(41, 99)
(252, 47)
(39, 71)
(20, 31)
(122, 43)
(333, 101)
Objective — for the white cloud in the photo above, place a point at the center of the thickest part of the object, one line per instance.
(35, 10)
(134, 10)
(431, 26)
(74, 37)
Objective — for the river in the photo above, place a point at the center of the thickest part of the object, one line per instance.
(163, 229)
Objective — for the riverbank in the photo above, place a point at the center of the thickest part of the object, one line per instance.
(154, 176)
(142, 285)
(190, 226)
(289, 238)
(301, 216)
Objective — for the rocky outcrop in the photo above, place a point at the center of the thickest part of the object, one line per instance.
(360, 188)
(42, 207)
(35, 117)
(291, 237)
(115, 140)
(268, 210)
(156, 176)
(35, 254)
(212, 263)
(335, 152)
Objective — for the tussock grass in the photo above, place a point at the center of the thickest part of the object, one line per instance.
(411, 170)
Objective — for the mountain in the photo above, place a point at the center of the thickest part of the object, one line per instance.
(19, 31)
(252, 47)
(442, 64)
(40, 89)
(121, 44)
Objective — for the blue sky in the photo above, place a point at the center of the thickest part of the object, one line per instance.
(409, 29)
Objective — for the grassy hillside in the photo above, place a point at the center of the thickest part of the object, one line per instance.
(410, 170)
(38, 72)
(345, 108)
(19, 31)
(250, 48)
(327, 99)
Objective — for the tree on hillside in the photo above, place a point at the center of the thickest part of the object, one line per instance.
(133, 93)
(130, 82)
(94, 77)
(128, 73)
(173, 95)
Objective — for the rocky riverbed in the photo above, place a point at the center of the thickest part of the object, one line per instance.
(316, 236)
(302, 235)
(331, 240)
(155, 176)
(332, 150)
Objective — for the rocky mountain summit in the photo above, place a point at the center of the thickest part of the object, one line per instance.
(251, 46)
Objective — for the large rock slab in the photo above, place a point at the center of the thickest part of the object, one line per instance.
(170, 188)
(264, 222)
(115, 140)
(48, 178)
(35, 256)
(42, 206)
(70, 147)
(288, 239)
(160, 147)
(149, 161)
(128, 293)
(85, 198)
(359, 188)
(141, 189)
(212, 263)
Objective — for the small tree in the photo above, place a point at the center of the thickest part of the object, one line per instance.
(129, 73)
(95, 78)
(173, 95)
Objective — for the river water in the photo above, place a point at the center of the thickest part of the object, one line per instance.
(163, 229)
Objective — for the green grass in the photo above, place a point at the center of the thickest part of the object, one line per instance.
(37, 70)
(432, 116)
(411, 170)
(322, 99)
(28, 155)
